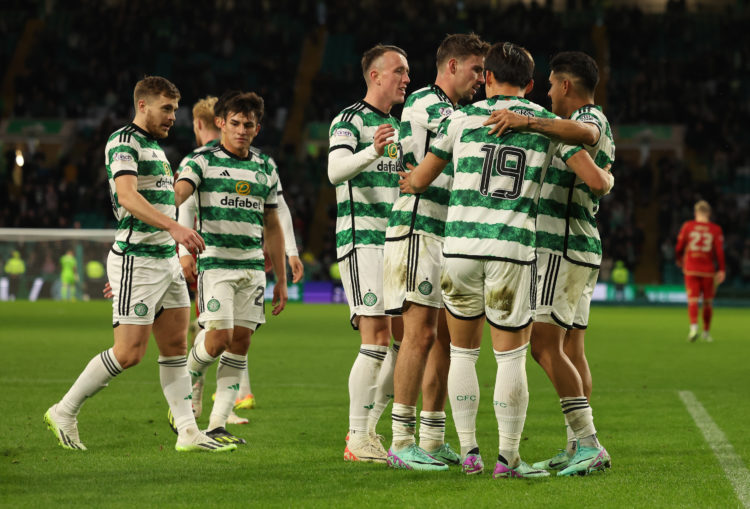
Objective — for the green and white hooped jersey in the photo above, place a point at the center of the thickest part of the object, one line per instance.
(364, 202)
(215, 143)
(422, 213)
(231, 195)
(208, 146)
(496, 181)
(132, 151)
(566, 223)
(274, 168)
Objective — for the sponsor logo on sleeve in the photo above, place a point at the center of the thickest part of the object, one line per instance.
(445, 111)
(343, 132)
(122, 156)
(587, 118)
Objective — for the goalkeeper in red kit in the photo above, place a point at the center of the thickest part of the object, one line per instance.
(700, 252)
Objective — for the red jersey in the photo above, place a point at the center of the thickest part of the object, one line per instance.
(700, 247)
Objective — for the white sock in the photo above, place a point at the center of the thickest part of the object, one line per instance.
(245, 389)
(403, 424)
(362, 386)
(175, 383)
(463, 391)
(95, 376)
(570, 445)
(384, 391)
(227, 386)
(693, 328)
(511, 401)
(431, 430)
(581, 420)
(198, 359)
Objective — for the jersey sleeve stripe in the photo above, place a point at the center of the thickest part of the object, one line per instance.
(336, 147)
(125, 172)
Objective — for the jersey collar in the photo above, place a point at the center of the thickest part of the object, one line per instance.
(142, 131)
(595, 106)
(234, 156)
(374, 109)
(441, 93)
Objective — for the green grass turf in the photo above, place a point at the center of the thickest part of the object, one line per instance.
(300, 364)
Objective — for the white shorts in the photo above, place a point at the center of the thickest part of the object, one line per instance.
(235, 296)
(581, 319)
(143, 286)
(412, 268)
(563, 291)
(362, 278)
(501, 290)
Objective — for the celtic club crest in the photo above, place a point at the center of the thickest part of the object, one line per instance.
(370, 299)
(140, 309)
(425, 288)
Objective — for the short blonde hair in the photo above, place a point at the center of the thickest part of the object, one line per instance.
(204, 110)
(703, 207)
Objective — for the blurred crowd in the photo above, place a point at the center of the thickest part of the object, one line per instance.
(671, 68)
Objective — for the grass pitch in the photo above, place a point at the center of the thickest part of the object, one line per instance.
(299, 366)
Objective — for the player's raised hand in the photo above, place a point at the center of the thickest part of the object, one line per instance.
(280, 297)
(298, 269)
(505, 119)
(189, 269)
(188, 238)
(383, 136)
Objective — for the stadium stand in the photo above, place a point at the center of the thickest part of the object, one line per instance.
(677, 90)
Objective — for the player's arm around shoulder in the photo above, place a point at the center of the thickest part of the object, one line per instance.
(274, 241)
(575, 132)
(599, 180)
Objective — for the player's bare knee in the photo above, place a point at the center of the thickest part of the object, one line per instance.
(129, 359)
(219, 335)
(423, 340)
(240, 343)
(218, 345)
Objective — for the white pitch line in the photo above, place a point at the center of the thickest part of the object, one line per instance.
(732, 464)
